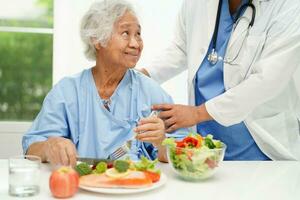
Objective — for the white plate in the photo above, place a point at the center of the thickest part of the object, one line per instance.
(161, 182)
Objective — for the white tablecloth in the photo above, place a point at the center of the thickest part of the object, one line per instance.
(235, 180)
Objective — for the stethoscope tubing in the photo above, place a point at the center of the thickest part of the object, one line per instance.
(216, 30)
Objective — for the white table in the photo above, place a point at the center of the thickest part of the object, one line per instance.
(234, 180)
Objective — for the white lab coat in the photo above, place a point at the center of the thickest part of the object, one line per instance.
(260, 88)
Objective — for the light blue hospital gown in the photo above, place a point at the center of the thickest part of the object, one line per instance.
(73, 109)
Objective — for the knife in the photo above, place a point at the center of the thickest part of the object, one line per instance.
(94, 161)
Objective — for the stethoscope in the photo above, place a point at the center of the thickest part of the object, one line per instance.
(213, 56)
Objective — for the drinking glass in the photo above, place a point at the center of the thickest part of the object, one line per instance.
(24, 175)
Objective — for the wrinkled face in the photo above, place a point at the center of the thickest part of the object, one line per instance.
(125, 46)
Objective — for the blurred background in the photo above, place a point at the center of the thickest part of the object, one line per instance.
(40, 44)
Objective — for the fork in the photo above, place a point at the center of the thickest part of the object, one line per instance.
(125, 148)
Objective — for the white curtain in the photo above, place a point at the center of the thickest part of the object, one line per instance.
(157, 20)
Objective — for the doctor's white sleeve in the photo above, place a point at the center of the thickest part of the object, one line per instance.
(273, 71)
(172, 60)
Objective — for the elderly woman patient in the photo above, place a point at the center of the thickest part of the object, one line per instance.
(96, 111)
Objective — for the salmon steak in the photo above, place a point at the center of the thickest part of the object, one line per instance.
(133, 179)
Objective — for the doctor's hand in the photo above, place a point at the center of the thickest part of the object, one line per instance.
(60, 151)
(177, 116)
(152, 130)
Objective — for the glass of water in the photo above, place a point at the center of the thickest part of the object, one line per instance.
(24, 175)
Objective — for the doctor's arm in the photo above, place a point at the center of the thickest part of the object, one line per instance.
(172, 60)
(274, 70)
(177, 116)
(270, 75)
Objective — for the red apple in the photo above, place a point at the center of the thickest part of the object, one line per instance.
(64, 182)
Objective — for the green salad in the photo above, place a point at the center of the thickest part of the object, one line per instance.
(195, 157)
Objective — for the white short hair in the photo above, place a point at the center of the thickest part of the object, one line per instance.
(98, 22)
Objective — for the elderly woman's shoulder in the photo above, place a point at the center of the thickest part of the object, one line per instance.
(72, 82)
(149, 88)
(75, 78)
(145, 80)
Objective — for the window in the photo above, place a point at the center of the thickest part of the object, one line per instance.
(26, 46)
(26, 37)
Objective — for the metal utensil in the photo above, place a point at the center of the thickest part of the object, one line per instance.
(125, 148)
(94, 161)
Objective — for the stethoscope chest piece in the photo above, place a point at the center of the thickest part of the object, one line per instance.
(213, 56)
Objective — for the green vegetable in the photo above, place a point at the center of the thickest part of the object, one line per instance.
(101, 167)
(169, 142)
(194, 163)
(218, 144)
(146, 165)
(121, 165)
(193, 168)
(83, 169)
(208, 141)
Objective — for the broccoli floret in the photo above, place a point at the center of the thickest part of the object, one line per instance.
(83, 169)
(121, 165)
(101, 167)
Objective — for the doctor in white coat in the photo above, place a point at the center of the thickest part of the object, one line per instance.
(240, 81)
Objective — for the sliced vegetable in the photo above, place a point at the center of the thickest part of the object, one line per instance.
(192, 157)
(211, 163)
(154, 176)
(191, 142)
(169, 142)
(145, 164)
(113, 173)
(218, 144)
(181, 144)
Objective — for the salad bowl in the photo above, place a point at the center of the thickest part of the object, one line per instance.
(195, 157)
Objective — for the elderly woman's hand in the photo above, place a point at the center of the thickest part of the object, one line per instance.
(60, 151)
(152, 130)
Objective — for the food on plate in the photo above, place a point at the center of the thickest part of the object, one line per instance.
(131, 179)
(83, 169)
(100, 168)
(154, 176)
(64, 182)
(114, 173)
(123, 174)
(121, 165)
(148, 167)
(195, 157)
